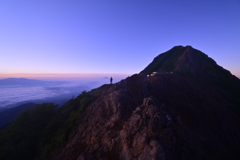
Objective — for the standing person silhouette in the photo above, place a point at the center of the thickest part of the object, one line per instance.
(111, 79)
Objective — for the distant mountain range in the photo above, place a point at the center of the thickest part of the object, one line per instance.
(181, 106)
(28, 82)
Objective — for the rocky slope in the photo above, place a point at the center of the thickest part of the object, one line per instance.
(161, 117)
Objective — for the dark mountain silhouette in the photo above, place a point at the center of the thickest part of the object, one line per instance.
(190, 114)
(189, 62)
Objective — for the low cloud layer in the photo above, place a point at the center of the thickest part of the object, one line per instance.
(13, 91)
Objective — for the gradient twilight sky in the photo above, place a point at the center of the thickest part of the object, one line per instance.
(112, 36)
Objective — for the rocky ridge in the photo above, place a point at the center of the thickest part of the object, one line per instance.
(161, 117)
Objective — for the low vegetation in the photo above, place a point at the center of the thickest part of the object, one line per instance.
(38, 132)
(164, 61)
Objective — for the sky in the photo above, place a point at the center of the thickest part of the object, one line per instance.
(112, 37)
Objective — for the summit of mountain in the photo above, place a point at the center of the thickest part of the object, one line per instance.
(186, 60)
(197, 66)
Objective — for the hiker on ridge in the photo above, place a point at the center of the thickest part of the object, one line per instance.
(111, 79)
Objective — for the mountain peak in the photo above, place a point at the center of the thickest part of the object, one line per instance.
(193, 64)
(181, 46)
(187, 60)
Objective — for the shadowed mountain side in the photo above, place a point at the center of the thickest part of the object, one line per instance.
(188, 61)
(38, 131)
(194, 64)
(10, 114)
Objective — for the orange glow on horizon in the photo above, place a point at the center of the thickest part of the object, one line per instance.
(53, 76)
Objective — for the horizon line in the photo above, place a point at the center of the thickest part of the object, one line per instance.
(62, 75)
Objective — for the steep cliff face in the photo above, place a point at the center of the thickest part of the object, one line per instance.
(160, 117)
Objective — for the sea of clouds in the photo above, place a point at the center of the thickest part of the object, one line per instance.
(18, 91)
(14, 94)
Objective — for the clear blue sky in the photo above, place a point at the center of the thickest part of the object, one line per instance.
(113, 36)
